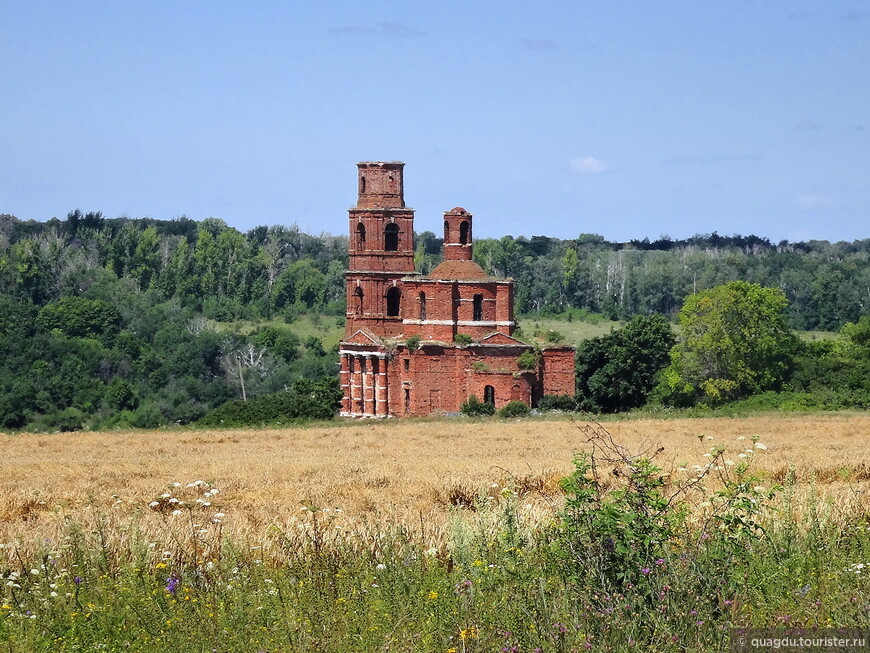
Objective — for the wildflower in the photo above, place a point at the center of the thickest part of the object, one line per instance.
(708, 437)
(759, 445)
(468, 633)
(741, 455)
(380, 566)
(645, 571)
(175, 513)
(730, 463)
(77, 580)
(660, 561)
(741, 437)
(172, 584)
(433, 595)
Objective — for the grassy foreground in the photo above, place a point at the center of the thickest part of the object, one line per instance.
(433, 536)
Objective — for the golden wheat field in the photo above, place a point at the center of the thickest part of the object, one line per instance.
(413, 473)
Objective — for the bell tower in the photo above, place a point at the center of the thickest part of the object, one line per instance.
(381, 233)
(457, 235)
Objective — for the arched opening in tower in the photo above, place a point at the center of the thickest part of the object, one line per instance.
(478, 308)
(394, 299)
(358, 301)
(488, 395)
(464, 232)
(391, 237)
(422, 306)
(360, 236)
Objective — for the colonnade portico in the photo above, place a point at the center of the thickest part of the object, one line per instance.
(364, 382)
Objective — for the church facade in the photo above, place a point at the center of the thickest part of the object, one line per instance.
(422, 344)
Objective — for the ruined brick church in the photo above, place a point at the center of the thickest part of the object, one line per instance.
(421, 344)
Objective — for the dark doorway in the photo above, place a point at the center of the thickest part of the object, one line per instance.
(391, 238)
(394, 298)
(478, 308)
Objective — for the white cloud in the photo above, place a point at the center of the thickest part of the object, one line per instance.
(813, 202)
(588, 165)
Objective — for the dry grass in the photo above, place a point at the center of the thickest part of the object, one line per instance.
(409, 472)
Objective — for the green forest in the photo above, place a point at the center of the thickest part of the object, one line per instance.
(116, 322)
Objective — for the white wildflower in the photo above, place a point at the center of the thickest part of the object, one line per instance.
(730, 463)
(759, 445)
(380, 566)
(741, 438)
(175, 513)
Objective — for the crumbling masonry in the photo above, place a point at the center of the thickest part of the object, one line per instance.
(400, 355)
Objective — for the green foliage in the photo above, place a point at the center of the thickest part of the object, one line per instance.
(558, 402)
(463, 339)
(514, 409)
(528, 360)
(305, 400)
(412, 343)
(78, 317)
(474, 407)
(617, 372)
(733, 342)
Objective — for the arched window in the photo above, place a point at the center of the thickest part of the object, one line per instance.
(446, 231)
(362, 184)
(422, 306)
(391, 237)
(488, 395)
(478, 308)
(464, 234)
(394, 298)
(358, 300)
(360, 236)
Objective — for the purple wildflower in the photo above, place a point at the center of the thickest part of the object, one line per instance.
(172, 584)
(77, 580)
(660, 561)
(645, 571)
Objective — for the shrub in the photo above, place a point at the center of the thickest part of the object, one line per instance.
(553, 337)
(557, 402)
(463, 339)
(514, 409)
(413, 343)
(306, 399)
(474, 407)
(528, 360)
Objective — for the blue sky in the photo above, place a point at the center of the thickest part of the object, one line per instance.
(627, 119)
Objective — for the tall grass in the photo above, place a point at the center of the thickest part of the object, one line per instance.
(506, 575)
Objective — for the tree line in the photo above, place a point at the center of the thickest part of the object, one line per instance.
(112, 321)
